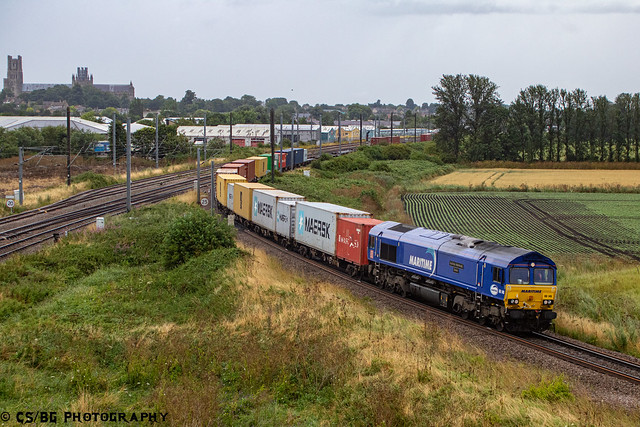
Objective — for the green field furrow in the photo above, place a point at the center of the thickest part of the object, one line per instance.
(551, 223)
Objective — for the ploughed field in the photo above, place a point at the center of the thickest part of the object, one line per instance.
(542, 178)
(551, 223)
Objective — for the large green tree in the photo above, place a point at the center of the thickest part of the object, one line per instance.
(451, 116)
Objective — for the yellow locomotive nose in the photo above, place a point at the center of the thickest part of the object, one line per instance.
(530, 297)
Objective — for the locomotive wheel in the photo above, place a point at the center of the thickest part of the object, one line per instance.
(499, 326)
(482, 321)
(465, 314)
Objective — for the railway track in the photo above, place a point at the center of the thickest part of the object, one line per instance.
(97, 194)
(583, 356)
(23, 231)
(333, 150)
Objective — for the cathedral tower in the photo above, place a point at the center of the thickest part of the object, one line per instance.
(14, 80)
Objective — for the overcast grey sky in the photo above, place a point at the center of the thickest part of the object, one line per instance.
(327, 51)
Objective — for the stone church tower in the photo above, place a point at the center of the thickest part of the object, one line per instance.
(14, 80)
(82, 78)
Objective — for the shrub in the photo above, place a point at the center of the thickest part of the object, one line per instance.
(348, 163)
(379, 167)
(396, 152)
(552, 391)
(95, 180)
(193, 234)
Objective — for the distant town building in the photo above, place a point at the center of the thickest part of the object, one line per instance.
(15, 85)
(39, 122)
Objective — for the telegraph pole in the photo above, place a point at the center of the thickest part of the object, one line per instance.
(113, 124)
(20, 163)
(272, 128)
(213, 189)
(339, 134)
(415, 127)
(205, 137)
(128, 165)
(156, 140)
(230, 134)
(291, 154)
(198, 178)
(281, 146)
(360, 128)
(68, 146)
(320, 132)
(391, 142)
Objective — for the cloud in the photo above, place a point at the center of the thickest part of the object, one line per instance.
(485, 7)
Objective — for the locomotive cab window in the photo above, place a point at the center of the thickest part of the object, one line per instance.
(543, 276)
(497, 274)
(388, 252)
(519, 276)
(372, 241)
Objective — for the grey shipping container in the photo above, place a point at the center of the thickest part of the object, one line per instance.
(265, 205)
(286, 218)
(317, 223)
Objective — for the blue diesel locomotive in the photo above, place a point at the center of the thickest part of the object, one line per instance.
(510, 288)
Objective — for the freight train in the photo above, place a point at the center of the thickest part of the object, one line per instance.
(502, 286)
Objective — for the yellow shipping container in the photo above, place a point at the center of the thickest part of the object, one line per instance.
(222, 181)
(261, 165)
(243, 195)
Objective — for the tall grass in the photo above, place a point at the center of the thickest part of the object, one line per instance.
(599, 302)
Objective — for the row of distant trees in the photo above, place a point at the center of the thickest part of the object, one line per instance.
(541, 124)
(246, 109)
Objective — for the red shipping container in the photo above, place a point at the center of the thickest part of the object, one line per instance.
(380, 140)
(283, 159)
(426, 137)
(352, 238)
(251, 168)
(242, 168)
(395, 140)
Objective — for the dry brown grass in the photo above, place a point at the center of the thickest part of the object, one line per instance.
(406, 366)
(541, 178)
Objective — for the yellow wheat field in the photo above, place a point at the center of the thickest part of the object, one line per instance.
(541, 178)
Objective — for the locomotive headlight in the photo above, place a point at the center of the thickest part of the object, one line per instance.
(547, 302)
(514, 301)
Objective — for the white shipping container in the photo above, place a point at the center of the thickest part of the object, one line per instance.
(265, 205)
(304, 158)
(230, 196)
(286, 218)
(316, 224)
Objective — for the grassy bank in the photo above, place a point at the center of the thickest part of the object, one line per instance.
(129, 320)
(599, 302)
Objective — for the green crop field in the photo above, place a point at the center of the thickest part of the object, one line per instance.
(551, 223)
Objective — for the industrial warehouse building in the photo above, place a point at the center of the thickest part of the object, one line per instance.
(39, 122)
(248, 135)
